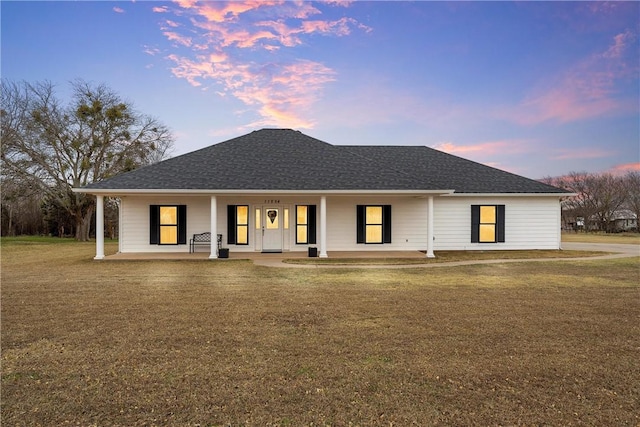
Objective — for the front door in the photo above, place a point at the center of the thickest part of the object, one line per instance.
(271, 229)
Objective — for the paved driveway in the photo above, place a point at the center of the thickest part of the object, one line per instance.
(619, 248)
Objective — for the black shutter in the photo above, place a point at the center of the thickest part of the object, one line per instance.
(154, 224)
(231, 224)
(311, 224)
(386, 224)
(475, 223)
(360, 223)
(182, 224)
(500, 223)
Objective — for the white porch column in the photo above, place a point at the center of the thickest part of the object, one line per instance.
(99, 227)
(430, 228)
(323, 227)
(559, 224)
(214, 228)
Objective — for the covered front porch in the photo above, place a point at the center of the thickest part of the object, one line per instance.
(255, 225)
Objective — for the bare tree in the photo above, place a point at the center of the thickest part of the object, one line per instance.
(21, 206)
(631, 182)
(570, 209)
(59, 147)
(582, 205)
(598, 198)
(609, 195)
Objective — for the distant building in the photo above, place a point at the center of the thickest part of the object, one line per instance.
(624, 220)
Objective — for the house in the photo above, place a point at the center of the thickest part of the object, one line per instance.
(279, 190)
(624, 220)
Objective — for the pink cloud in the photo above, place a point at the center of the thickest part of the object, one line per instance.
(190, 70)
(117, 9)
(209, 38)
(245, 39)
(341, 27)
(186, 3)
(565, 104)
(226, 11)
(485, 148)
(624, 168)
(588, 89)
(621, 43)
(287, 36)
(160, 9)
(487, 152)
(283, 92)
(218, 57)
(178, 38)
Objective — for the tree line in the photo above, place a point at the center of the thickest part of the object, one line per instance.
(601, 200)
(48, 147)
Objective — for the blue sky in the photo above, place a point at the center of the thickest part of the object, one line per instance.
(535, 88)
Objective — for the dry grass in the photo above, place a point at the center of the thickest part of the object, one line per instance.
(448, 256)
(229, 343)
(624, 238)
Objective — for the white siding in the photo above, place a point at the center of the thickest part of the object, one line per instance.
(530, 222)
(134, 229)
(408, 223)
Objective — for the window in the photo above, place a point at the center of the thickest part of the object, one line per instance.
(238, 224)
(242, 225)
(305, 224)
(373, 224)
(285, 221)
(487, 223)
(168, 224)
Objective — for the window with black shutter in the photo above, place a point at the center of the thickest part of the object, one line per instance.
(305, 224)
(487, 223)
(168, 224)
(237, 224)
(373, 224)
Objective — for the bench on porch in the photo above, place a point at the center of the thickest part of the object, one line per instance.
(203, 239)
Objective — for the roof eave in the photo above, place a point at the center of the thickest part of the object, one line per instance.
(189, 192)
(510, 194)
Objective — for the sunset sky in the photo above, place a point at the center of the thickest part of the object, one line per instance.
(535, 88)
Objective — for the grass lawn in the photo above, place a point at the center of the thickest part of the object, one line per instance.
(229, 343)
(448, 256)
(628, 238)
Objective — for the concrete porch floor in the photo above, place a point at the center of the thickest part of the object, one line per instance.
(258, 256)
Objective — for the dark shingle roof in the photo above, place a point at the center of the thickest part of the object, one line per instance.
(435, 169)
(283, 159)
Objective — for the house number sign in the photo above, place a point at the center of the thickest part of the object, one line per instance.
(268, 201)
